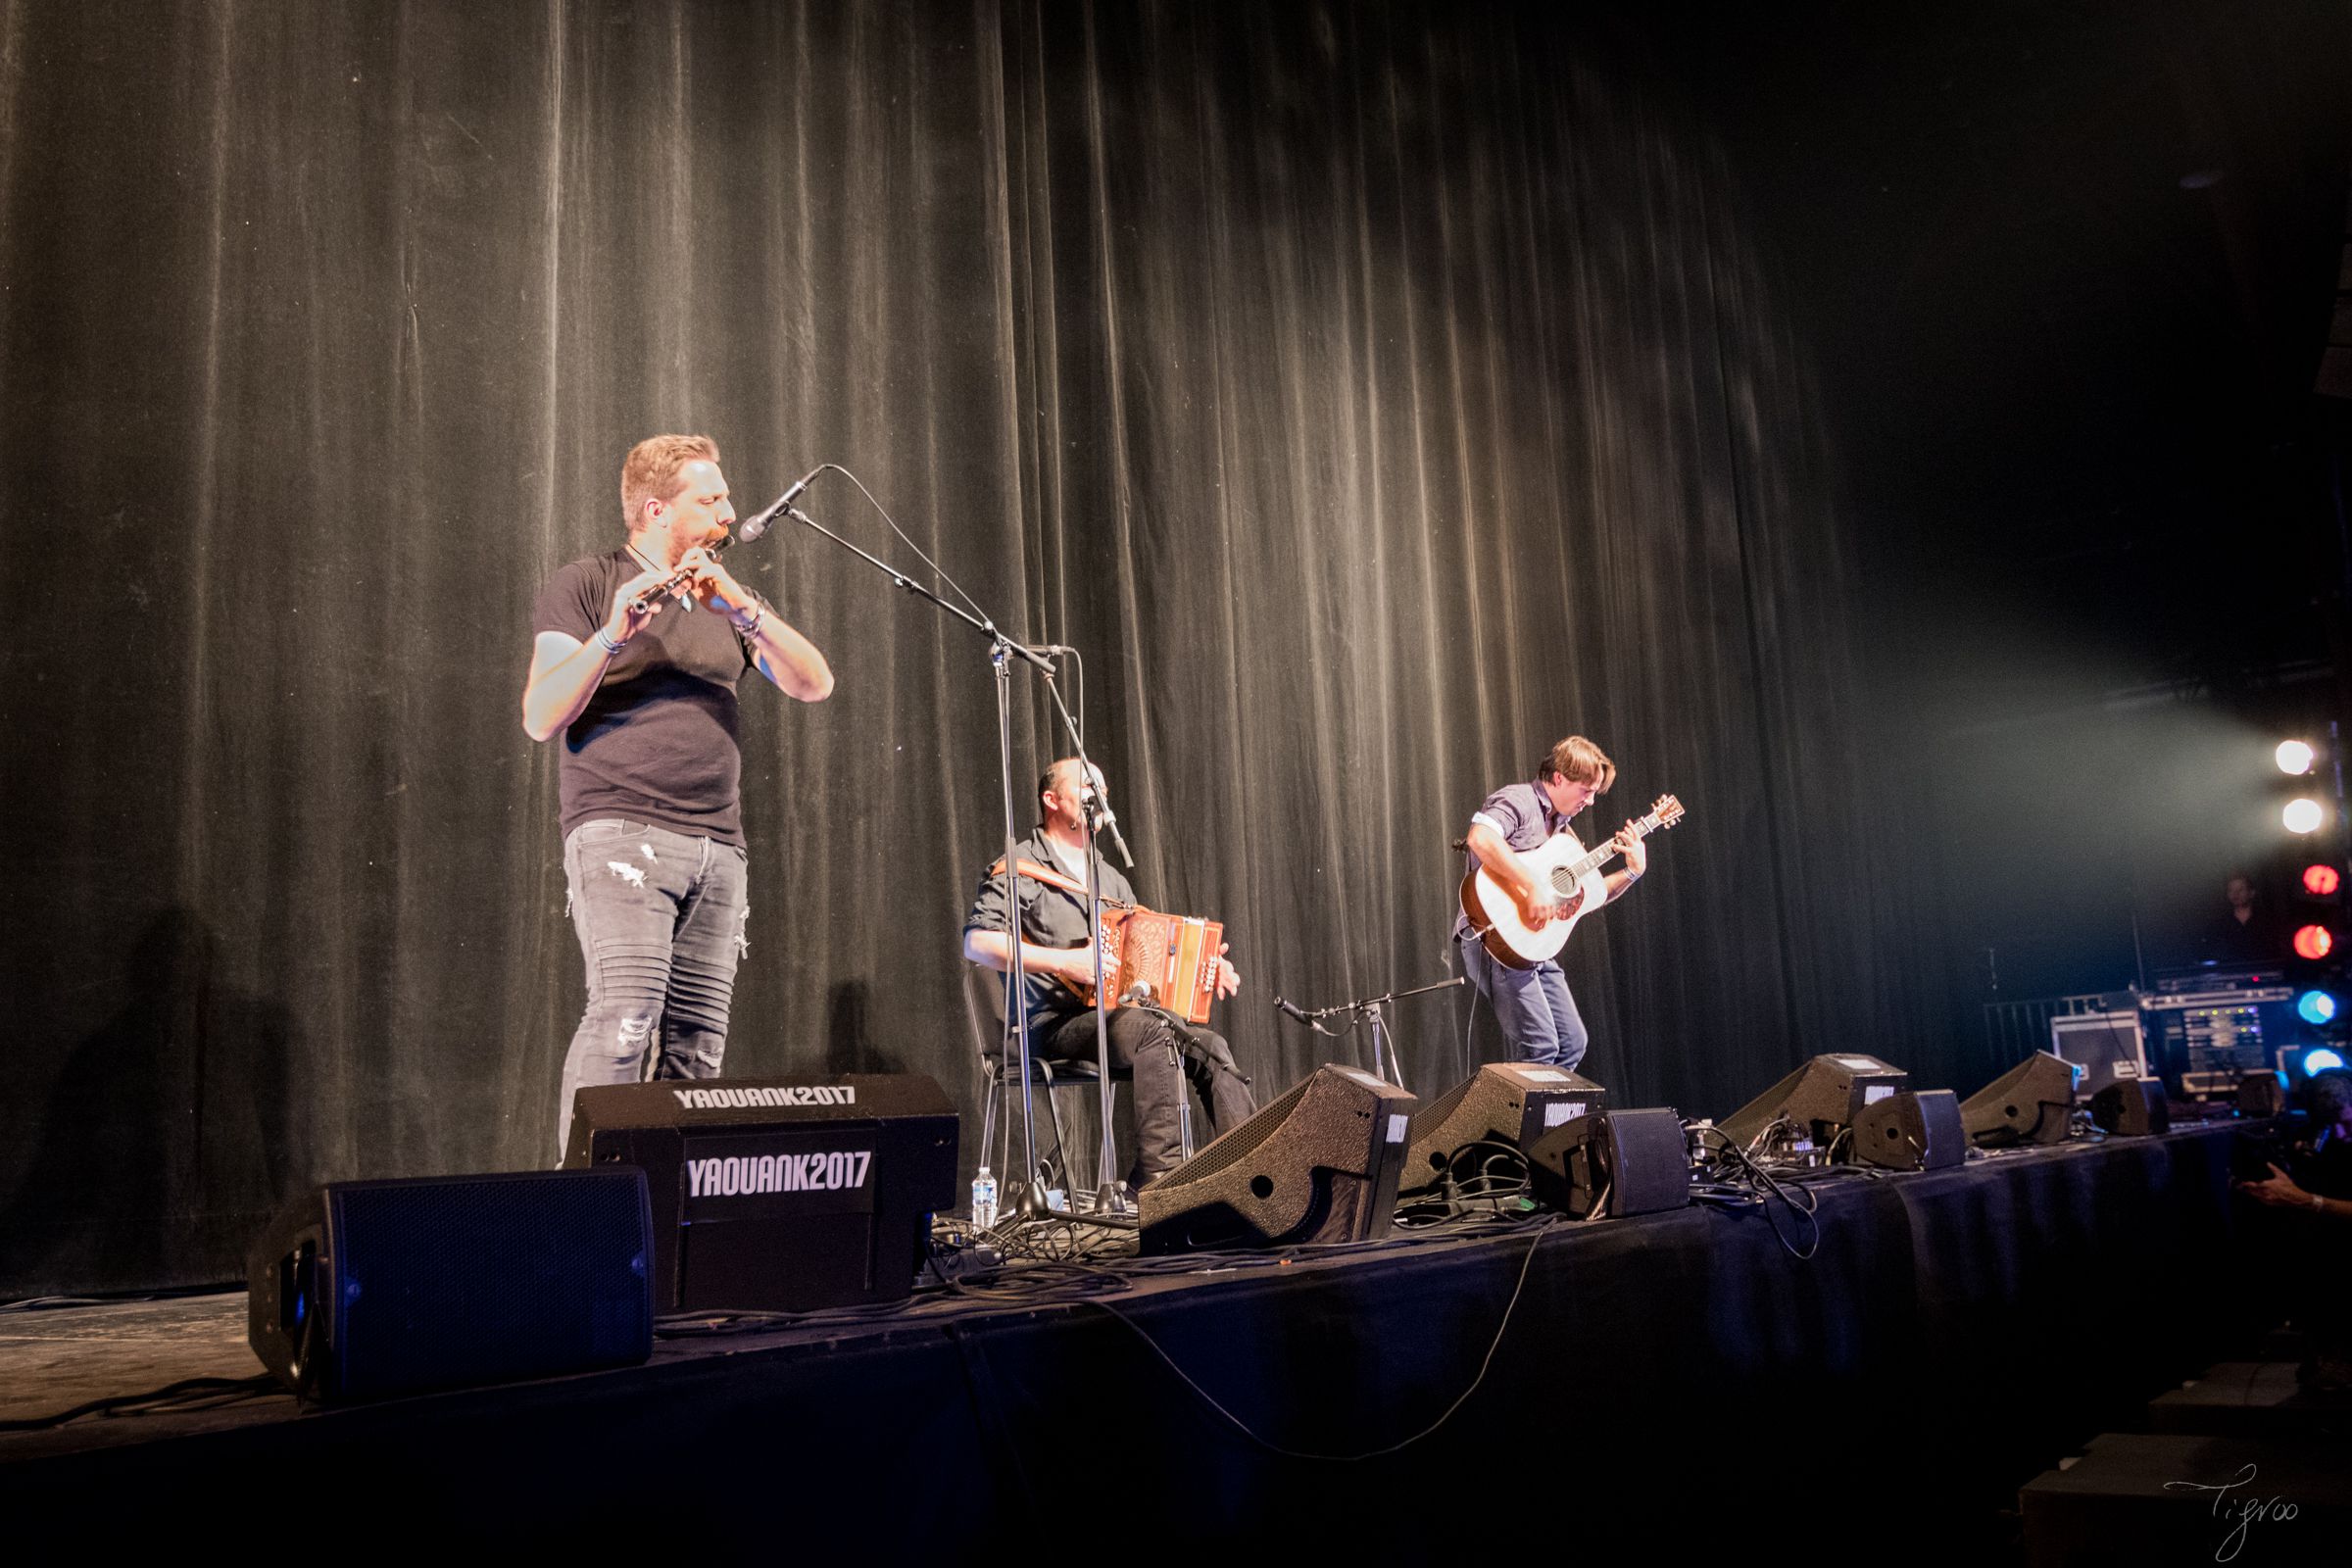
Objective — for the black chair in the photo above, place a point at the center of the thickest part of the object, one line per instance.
(984, 997)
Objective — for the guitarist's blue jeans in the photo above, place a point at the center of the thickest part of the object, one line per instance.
(1537, 1015)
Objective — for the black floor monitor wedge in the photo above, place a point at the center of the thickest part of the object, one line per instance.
(1815, 1103)
(2032, 1102)
(1319, 1164)
(1504, 1105)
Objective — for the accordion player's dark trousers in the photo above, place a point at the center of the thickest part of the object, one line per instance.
(1141, 1041)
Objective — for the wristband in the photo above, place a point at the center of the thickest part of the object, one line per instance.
(605, 637)
(748, 625)
(2318, 1204)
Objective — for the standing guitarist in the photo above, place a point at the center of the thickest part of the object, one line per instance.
(1537, 1015)
(1059, 966)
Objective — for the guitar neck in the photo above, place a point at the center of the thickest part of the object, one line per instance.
(1592, 859)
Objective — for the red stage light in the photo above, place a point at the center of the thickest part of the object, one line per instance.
(2314, 942)
(2321, 881)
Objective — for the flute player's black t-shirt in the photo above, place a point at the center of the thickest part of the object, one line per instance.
(658, 741)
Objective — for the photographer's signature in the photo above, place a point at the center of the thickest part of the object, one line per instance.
(2242, 1513)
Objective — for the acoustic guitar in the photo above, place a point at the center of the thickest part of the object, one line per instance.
(1571, 871)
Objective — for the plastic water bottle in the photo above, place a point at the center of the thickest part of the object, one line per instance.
(984, 1201)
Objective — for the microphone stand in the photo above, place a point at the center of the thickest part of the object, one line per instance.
(1369, 1008)
(1026, 1197)
(1110, 1190)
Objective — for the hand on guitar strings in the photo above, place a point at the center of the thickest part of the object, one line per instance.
(1542, 909)
(1629, 844)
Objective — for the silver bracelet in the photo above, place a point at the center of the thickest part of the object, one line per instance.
(605, 638)
(749, 627)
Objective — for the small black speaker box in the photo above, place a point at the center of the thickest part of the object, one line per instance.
(2032, 1102)
(779, 1193)
(2132, 1107)
(369, 1289)
(1634, 1161)
(1911, 1131)
(2261, 1093)
(1319, 1164)
(1507, 1103)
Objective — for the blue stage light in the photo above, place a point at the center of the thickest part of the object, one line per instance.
(2321, 1060)
(2316, 1007)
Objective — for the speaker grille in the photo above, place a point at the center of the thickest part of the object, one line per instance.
(1320, 1164)
(1241, 1143)
(445, 1282)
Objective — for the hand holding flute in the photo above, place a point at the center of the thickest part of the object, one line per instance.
(696, 573)
(639, 599)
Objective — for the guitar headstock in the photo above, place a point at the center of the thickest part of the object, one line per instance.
(1667, 810)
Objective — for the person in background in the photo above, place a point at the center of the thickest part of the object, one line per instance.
(2245, 934)
(2320, 1190)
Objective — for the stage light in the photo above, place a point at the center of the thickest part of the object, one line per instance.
(2314, 942)
(2294, 757)
(2302, 815)
(2316, 1007)
(2322, 880)
(2321, 1060)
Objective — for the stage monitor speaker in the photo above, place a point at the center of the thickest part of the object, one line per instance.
(1506, 1103)
(2032, 1102)
(2261, 1093)
(1319, 1164)
(367, 1289)
(779, 1193)
(2132, 1107)
(1911, 1131)
(1635, 1161)
(1821, 1097)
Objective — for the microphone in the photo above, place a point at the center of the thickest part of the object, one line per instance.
(756, 524)
(1100, 809)
(1137, 994)
(1294, 1012)
(1052, 650)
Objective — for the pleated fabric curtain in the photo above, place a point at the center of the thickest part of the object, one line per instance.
(1374, 394)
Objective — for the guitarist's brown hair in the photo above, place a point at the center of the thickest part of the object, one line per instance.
(1580, 762)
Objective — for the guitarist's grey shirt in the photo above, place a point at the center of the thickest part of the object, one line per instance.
(1050, 919)
(1522, 813)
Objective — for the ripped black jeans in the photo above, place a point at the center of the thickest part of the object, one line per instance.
(660, 917)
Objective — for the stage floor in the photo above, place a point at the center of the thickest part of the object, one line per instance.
(57, 1359)
(1926, 1342)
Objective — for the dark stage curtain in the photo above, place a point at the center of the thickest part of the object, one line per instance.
(1375, 394)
